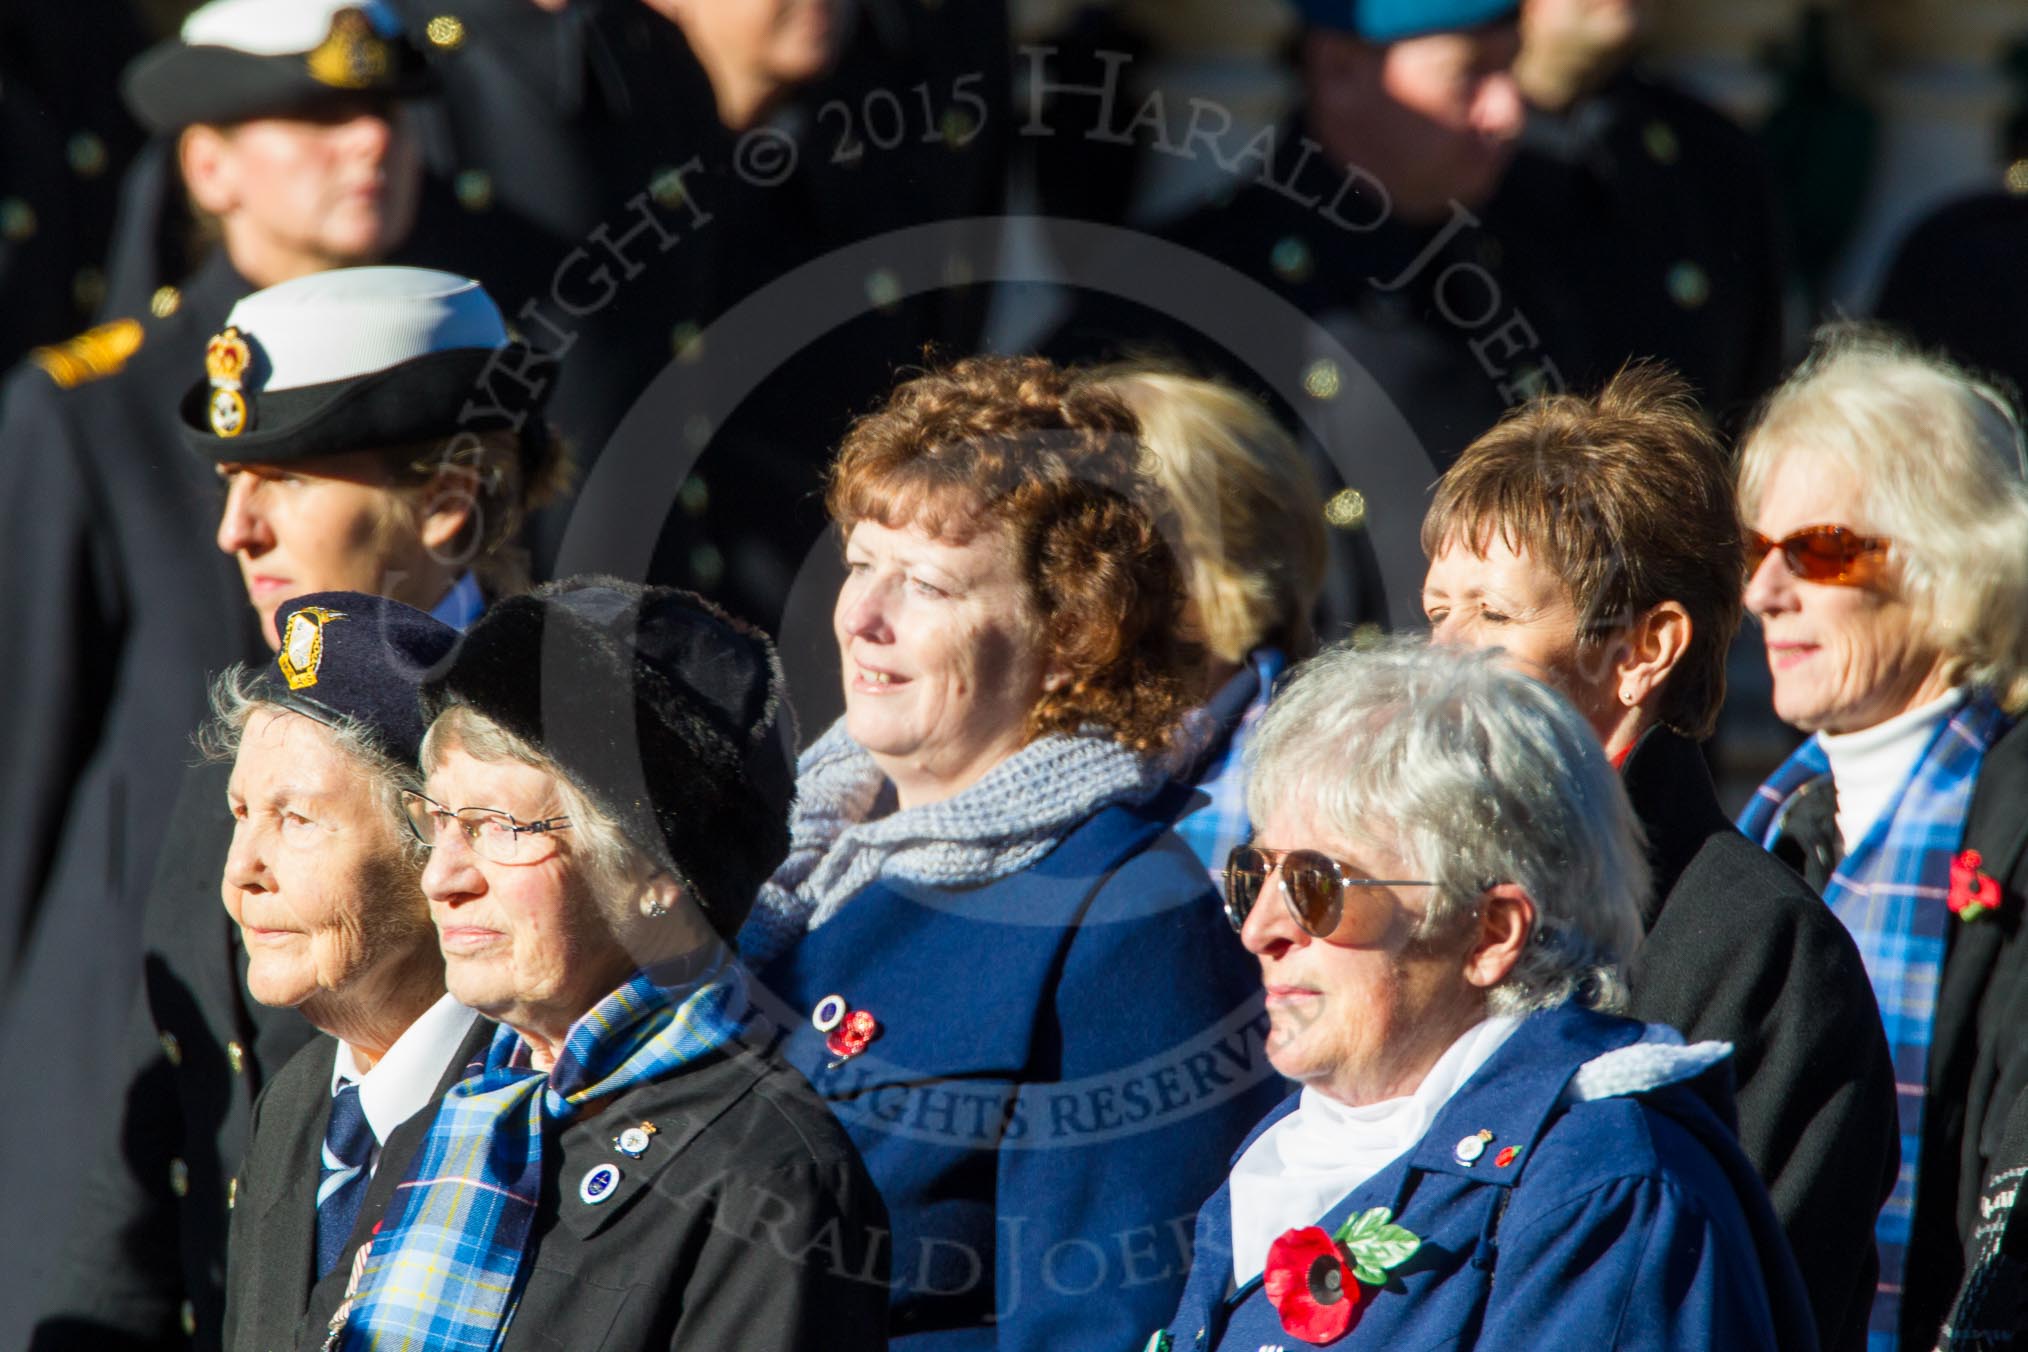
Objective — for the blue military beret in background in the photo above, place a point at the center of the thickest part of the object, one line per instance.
(348, 655)
(1392, 20)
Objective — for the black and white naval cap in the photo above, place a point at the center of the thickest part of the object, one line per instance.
(361, 359)
(241, 59)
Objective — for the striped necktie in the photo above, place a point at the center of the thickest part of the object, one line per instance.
(348, 1145)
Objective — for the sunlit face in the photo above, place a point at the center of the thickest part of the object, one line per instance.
(304, 194)
(318, 878)
(525, 944)
(1511, 601)
(1434, 118)
(333, 524)
(1842, 658)
(943, 658)
(1361, 1022)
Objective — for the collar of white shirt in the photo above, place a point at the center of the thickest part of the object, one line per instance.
(404, 1081)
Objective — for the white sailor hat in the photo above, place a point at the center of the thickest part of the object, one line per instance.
(359, 359)
(241, 59)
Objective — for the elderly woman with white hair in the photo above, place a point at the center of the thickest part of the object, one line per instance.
(1888, 528)
(1443, 884)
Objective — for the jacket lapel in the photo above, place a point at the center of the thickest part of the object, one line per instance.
(1996, 827)
(289, 1218)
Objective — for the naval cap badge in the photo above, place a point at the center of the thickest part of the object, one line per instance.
(226, 358)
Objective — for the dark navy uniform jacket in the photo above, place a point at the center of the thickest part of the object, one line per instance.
(1627, 1222)
(1066, 1058)
(119, 608)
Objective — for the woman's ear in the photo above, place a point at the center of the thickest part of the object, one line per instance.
(1506, 920)
(209, 168)
(450, 503)
(1652, 650)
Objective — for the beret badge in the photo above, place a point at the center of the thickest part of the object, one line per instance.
(352, 55)
(303, 645)
(226, 358)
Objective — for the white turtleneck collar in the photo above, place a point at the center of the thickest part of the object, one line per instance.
(1870, 767)
(1299, 1167)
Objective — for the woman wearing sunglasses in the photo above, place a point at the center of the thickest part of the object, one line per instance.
(1888, 567)
(1444, 880)
(1594, 541)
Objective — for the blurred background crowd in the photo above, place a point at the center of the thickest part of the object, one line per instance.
(718, 232)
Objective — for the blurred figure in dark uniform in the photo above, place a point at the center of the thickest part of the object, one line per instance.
(1652, 209)
(37, 222)
(65, 139)
(118, 606)
(1363, 215)
(624, 172)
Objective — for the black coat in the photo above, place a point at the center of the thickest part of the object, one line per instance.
(143, 1264)
(1978, 1056)
(119, 607)
(750, 1223)
(1992, 1304)
(272, 1254)
(1739, 949)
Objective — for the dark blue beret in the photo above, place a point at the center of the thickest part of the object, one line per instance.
(1392, 20)
(348, 655)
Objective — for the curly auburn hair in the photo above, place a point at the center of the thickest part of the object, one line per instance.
(1022, 446)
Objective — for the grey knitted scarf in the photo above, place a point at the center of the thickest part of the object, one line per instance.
(1010, 819)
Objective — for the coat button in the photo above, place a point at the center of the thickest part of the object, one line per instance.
(1321, 379)
(188, 1318)
(17, 219)
(166, 301)
(232, 1194)
(172, 1050)
(235, 1056)
(1346, 509)
(1689, 285)
(179, 1178)
(446, 32)
(87, 155)
(474, 189)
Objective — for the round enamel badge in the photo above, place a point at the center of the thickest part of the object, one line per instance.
(599, 1182)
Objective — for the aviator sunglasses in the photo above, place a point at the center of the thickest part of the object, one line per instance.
(1316, 889)
(1833, 555)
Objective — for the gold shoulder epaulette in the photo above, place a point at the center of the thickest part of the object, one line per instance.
(92, 355)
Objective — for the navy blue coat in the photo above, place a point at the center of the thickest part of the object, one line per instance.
(1067, 1058)
(1621, 1223)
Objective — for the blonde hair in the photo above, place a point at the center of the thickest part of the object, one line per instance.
(1939, 455)
(1251, 516)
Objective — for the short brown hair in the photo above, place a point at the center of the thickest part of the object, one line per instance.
(1021, 445)
(1627, 497)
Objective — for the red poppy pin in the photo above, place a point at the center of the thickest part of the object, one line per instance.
(1317, 1281)
(1973, 893)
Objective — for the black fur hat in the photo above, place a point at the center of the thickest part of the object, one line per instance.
(664, 710)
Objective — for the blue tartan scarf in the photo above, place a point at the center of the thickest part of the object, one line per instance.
(443, 1273)
(1890, 892)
